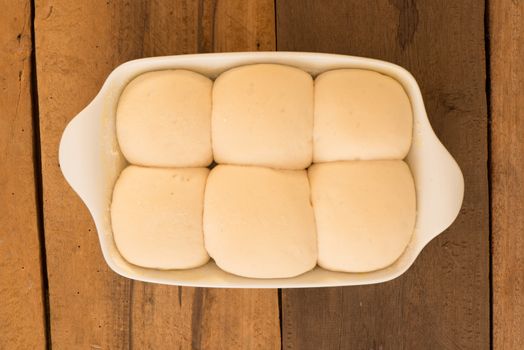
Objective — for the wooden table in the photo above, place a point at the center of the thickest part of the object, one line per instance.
(465, 291)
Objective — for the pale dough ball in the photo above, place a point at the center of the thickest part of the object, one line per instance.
(263, 115)
(163, 119)
(258, 222)
(365, 213)
(360, 114)
(156, 216)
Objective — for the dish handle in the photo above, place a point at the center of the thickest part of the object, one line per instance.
(79, 153)
(437, 172)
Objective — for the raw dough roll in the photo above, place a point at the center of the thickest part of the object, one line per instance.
(156, 216)
(365, 213)
(360, 114)
(258, 222)
(263, 115)
(163, 119)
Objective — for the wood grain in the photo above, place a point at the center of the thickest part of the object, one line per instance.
(91, 306)
(244, 26)
(22, 321)
(506, 29)
(442, 302)
(89, 303)
(200, 318)
(209, 318)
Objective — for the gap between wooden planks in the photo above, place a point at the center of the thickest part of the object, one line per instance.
(442, 302)
(77, 45)
(22, 320)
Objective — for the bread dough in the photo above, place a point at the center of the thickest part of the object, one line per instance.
(258, 222)
(263, 115)
(365, 213)
(163, 119)
(156, 216)
(360, 114)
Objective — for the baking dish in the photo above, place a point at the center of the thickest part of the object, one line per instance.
(91, 161)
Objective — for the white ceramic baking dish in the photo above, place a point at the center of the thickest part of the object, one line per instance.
(91, 161)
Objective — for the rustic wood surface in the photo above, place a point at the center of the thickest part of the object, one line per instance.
(442, 302)
(506, 27)
(90, 305)
(22, 324)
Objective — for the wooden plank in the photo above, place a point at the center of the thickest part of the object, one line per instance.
(442, 302)
(506, 29)
(90, 305)
(22, 320)
(200, 318)
(209, 318)
(244, 26)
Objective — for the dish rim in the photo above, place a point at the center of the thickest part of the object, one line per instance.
(80, 155)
